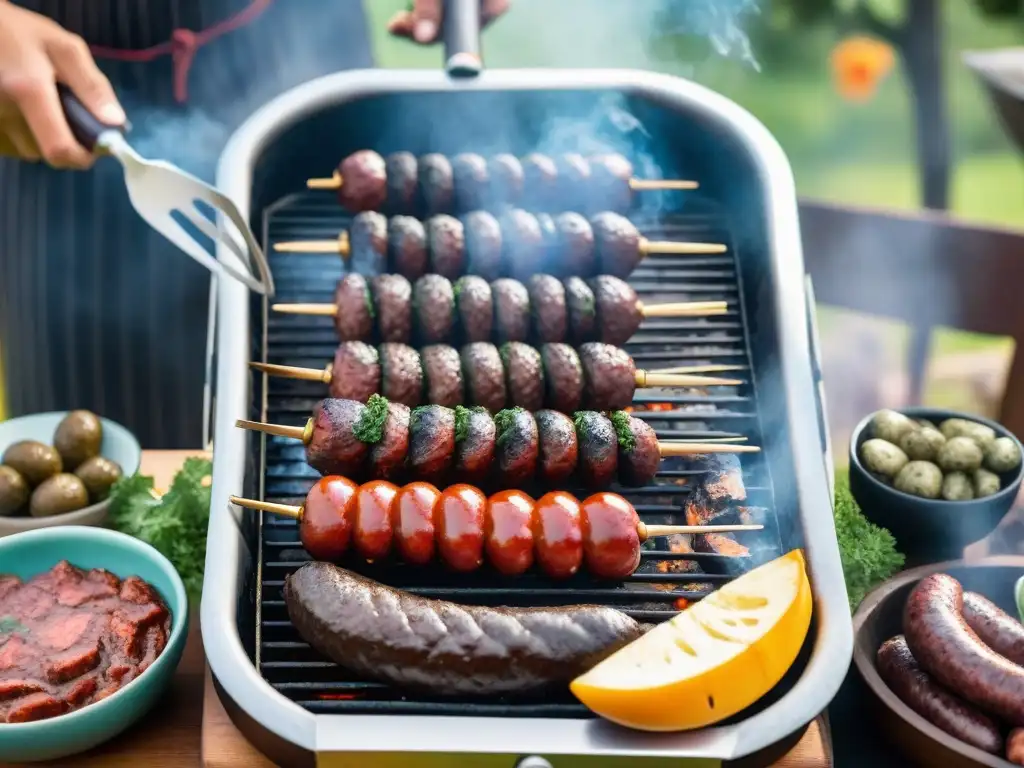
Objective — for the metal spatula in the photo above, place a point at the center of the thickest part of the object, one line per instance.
(158, 189)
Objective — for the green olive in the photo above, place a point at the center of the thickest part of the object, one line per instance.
(920, 478)
(78, 437)
(956, 486)
(890, 425)
(98, 474)
(881, 457)
(985, 483)
(59, 495)
(14, 491)
(979, 433)
(922, 444)
(959, 454)
(1002, 455)
(33, 460)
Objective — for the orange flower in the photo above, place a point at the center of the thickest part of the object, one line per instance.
(859, 65)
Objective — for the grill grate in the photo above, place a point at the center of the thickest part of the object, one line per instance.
(651, 595)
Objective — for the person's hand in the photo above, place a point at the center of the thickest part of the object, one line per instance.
(422, 22)
(36, 54)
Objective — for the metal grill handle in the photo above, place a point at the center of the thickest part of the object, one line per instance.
(462, 38)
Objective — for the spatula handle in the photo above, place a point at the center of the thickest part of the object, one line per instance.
(85, 127)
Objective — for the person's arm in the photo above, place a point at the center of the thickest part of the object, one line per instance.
(422, 22)
(36, 54)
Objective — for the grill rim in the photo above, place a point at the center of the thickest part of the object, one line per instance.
(227, 558)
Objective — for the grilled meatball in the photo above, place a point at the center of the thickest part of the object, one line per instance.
(436, 184)
(522, 243)
(433, 301)
(618, 310)
(446, 245)
(517, 446)
(506, 174)
(576, 252)
(368, 243)
(403, 180)
(392, 305)
(563, 376)
(639, 454)
(547, 308)
(401, 374)
(363, 181)
(582, 310)
(524, 375)
(355, 372)
(540, 182)
(609, 377)
(610, 176)
(387, 457)
(573, 182)
(598, 449)
(549, 241)
(431, 442)
(469, 174)
(475, 436)
(474, 307)
(335, 449)
(618, 244)
(485, 376)
(482, 233)
(354, 316)
(407, 247)
(442, 374)
(511, 310)
(558, 448)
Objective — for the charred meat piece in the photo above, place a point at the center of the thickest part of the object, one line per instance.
(355, 372)
(474, 306)
(402, 182)
(431, 442)
(482, 233)
(573, 182)
(354, 317)
(618, 309)
(475, 437)
(618, 244)
(434, 304)
(442, 372)
(610, 176)
(609, 377)
(392, 304)
(506, 174)
(540, 182)
(407, 247)
(524, 375)
(334, 448)
(401, 374)
(363, 181)
(547, 308)
(582, 310)
(368, 243)
(517, 446)
(558, 451)
(598, 449)
(436, 184)
(735, 556)
(563, 375)
(718, 491)
(446, 243)
(522, 243)
(469, 172)
(639, 454)
(387, 458)
(511, 310)
(576, 252)
(484, 375)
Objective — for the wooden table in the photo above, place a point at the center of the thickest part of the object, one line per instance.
(190, 728)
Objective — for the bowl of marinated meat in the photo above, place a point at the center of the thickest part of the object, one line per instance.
(941, 649)
(59, 469)
(92, 626)
(937, 480)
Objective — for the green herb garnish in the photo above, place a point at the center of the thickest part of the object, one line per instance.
(370, 427)
(10, 625)
(462, 415)
(504, 421)
(623, 430)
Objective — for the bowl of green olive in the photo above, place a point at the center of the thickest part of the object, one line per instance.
(58, 469)
(938, 480)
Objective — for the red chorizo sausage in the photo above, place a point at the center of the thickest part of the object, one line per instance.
(611, 542)
(328, 517)
(412, 520)
(459, 522)
(373, 532)
(509, 537)
(558, 534)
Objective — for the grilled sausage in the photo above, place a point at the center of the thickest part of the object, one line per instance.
(485, 376)
(368, 243)
(618, 243)
(540, 182)
(522, 243)
(323, 529)
(392, 305)
(996, 629)
(460, 515)
(431, 441)
(364, 181)
(354, 317)
(563, 376)
(618, 310)
(558, 450)
(611, 541)
(474, 306)
(576, 253)
(506, 174)
(401, 374)
(598, 448)
(412, 520)
(951, 652)
(355, 372)
(482, 233)
(447, 245)
(609, 377)
(442, 375)
(469, 174)
(508, 535)
(334, 449)
(558, 534)
(517, 446)
(407, 247)
(402, 181)
(445, 648)
(434, 304)
(436, 184)
(511, 310)
(475, 437)
(573, 182)
(372, 533)
(582, 313)
(940, 707)
(524, 375)
(639, 454)
(387, 457)
(547, 308)
(610, 175)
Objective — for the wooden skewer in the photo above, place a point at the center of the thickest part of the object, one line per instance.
(677, 309)
(340, 245)
(700, 369)
(334, 181)
(642, 378)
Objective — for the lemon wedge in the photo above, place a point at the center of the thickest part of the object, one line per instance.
(712, 660)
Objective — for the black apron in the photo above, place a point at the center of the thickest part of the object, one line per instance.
(98, 311)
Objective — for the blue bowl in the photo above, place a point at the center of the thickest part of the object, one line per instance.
(118, 445)
(34, 552)
(930, 530)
